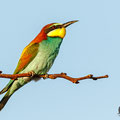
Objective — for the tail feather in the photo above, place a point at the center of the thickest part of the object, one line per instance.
(4, 100)
(4, 90)
(6, 87)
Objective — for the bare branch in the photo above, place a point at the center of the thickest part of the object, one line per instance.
(51, 76)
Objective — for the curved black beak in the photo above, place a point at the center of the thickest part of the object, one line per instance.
(69, 23)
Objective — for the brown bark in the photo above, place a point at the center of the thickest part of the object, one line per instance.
(52, 76)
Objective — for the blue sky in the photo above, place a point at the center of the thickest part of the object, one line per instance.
(91, 46)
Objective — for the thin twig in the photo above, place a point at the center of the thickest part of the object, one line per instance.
(51, 76)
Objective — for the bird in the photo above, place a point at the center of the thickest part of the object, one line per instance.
(119, 110)
(37, 57)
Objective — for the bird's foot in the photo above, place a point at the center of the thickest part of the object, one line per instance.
(32, 73)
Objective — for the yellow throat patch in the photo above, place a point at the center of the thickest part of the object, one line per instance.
(60, 32)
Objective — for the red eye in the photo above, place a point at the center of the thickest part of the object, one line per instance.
(53, 27)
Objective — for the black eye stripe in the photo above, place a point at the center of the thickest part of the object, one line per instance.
(52, 28)
(59, 26)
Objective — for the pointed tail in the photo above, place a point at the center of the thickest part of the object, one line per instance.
(3, 102)
(6, 87)
(5, 99)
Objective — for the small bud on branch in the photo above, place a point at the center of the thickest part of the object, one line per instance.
(51, 76)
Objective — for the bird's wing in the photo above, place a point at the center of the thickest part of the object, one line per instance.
(27, 56)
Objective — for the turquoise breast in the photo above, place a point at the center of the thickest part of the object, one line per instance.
(48, 50)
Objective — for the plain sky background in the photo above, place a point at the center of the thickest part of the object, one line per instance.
(91, 46)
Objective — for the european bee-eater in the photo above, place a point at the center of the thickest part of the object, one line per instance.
(38, 56)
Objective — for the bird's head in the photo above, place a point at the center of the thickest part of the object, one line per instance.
(57, 29)
(53, 30)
